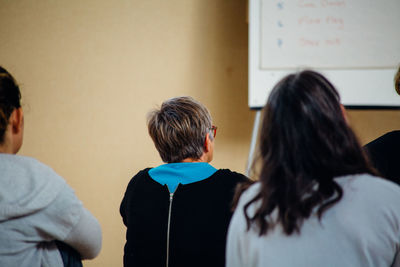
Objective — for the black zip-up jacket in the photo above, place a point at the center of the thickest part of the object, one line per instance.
(384, 155)
(189, 225)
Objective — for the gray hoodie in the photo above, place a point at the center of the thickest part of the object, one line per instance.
(37, 207)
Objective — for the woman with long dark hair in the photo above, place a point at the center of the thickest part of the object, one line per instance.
(317, 202)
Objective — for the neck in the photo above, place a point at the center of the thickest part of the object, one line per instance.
(203, 158)
(4, 148)
(192, 160)
(8, 144)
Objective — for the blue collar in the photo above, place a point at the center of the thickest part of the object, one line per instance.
(173, 174)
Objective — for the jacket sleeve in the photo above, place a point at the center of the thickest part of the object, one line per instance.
(85, 237)
(66, 219)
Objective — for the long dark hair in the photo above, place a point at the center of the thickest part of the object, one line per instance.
(10, 97)
(305, 142)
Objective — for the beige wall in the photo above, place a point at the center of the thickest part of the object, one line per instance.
(91, 70)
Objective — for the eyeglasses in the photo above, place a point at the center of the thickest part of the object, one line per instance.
(213, 129)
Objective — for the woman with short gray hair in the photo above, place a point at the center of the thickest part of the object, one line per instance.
(179, 129)
(177, 214)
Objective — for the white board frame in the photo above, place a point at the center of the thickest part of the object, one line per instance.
(359, 88)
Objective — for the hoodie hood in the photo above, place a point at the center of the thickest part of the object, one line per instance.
(26, 186)
(172, 174)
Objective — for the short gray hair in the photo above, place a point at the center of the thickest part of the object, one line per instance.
(179, 128)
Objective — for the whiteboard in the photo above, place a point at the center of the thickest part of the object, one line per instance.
(354, 43)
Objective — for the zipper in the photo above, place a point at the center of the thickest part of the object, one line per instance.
(171, 198)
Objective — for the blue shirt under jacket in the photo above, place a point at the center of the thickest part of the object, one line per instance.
(173, 174)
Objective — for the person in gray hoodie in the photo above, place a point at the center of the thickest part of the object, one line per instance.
(39, 212)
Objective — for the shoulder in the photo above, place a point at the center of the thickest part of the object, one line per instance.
(387, 140)
(392, 134)
(372, 200)
(376, 188)
(139, 177)
(28, 185)
(245, 198)
(23, 163)
(21, 169)
(250, 193)
(232, 176)
(142, 173)
(134, 190)
(367, 180)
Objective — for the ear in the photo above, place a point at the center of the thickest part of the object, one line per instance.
(207, 143)
(17, 121)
